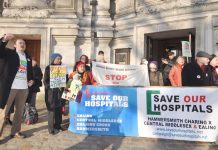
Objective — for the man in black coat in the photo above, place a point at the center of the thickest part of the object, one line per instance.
(15, 78)
(194, 73)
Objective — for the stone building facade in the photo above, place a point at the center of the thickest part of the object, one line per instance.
(126, 30)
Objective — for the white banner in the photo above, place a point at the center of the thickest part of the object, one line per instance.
(120, 75)
(178, 113)
(186, 49)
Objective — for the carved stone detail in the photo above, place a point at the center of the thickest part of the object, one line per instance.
(28, 8)
(152, 7)
(27, 3)
(26, 13)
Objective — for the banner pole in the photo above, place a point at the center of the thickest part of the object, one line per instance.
(190, 43)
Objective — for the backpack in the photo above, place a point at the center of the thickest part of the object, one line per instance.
(65, 108)
(30, 114)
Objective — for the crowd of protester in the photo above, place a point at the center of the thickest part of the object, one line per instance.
(21, 80)
(177, 72)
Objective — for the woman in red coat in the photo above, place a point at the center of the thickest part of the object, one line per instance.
(86, 77)
(175, 74)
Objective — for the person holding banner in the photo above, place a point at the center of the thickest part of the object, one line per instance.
(175, 74)
(53, 99)
(15, 79)
(86, 77)
(155, 76)
(194, 73)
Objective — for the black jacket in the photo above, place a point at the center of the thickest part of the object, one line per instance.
(192, 75)
(212, 79)
(52, 95)
(9, 65)
(168, 67)
(37, 77)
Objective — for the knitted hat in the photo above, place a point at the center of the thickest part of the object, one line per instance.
(154, 62)
(203, 54)
(79, 64)
(55, 55)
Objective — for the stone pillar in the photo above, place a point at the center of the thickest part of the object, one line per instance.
(83, 47)
(103, 8)
(200, 38)
(87, 9)
(63, 43)
(216, 41)
(209, 35)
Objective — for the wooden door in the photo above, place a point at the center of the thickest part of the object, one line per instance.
(33, 48)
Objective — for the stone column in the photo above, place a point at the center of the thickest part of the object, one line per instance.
(83, 47)
(103, 8)
(63, 43)
(87, 9)
(216, 41)
(200, 38)
(209, 35)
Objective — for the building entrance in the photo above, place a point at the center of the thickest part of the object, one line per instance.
(159, 44)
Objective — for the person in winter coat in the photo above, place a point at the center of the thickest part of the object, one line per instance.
(155, 76)
(16, 77)
(194, 73)
(37, 77)
(168, 63)
(212, 71)
(175, 74)
(86, 77)
(53, 99)
(85, 60)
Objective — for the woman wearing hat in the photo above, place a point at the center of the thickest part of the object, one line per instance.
(86, 77)
(53, 99)
(155, 76)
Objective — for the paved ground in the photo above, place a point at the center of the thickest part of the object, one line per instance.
(38, 138)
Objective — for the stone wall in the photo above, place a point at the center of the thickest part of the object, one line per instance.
(69, 27)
